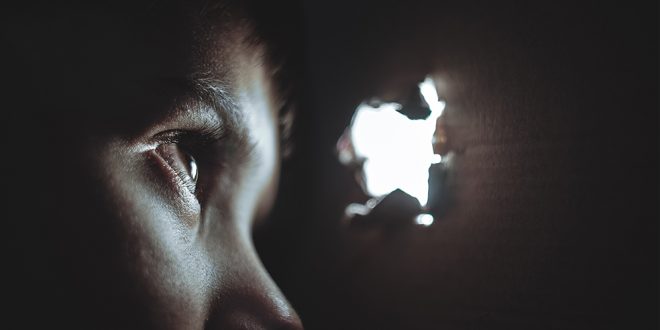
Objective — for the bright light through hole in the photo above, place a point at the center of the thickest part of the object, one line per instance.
(424, 219)
(397, 151)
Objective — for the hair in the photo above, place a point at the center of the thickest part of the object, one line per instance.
(277, 26)
(56, 45)
(51, 53)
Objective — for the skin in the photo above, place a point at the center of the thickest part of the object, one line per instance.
(126, 238)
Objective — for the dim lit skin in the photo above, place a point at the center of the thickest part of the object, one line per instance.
(160, 179)
(194, 250)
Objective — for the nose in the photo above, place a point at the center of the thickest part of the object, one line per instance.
(248, 298)
(258, 311)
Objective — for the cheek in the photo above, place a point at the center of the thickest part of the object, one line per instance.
(262, 176)
(268, 158)
(158, 248)
(256, 184)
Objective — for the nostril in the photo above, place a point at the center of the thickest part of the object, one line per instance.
(281, 315)
(246, 297)
(253, 308)
(253, 320)
(291, 323)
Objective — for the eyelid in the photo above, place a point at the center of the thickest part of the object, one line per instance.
(198, 124)
(177, 158)
(191, 103)
(199, 137)
(196, 118)
(186, 198)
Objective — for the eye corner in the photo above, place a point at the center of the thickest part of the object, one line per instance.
(182, 162)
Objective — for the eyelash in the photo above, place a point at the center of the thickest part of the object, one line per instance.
(199, 138)
(194, 144)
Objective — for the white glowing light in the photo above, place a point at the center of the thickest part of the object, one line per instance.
(424, 219)
(397, 151)
(357, 209)
(430, 94)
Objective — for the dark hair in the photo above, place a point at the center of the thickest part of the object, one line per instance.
(50, 52)
(277, 25)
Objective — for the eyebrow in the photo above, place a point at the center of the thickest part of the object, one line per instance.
(215, 93)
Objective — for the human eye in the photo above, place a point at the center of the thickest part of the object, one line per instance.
(187, 155)
(177, 154)
(190, 149)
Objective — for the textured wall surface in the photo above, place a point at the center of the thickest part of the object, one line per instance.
(554, 223)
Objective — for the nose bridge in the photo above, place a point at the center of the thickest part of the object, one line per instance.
(248, 298)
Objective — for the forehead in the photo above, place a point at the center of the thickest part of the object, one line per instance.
(122, 61)
(163, 31)
(185, 40)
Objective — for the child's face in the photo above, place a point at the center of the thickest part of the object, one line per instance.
(176, 158)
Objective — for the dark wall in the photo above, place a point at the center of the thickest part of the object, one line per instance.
(555, 220)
